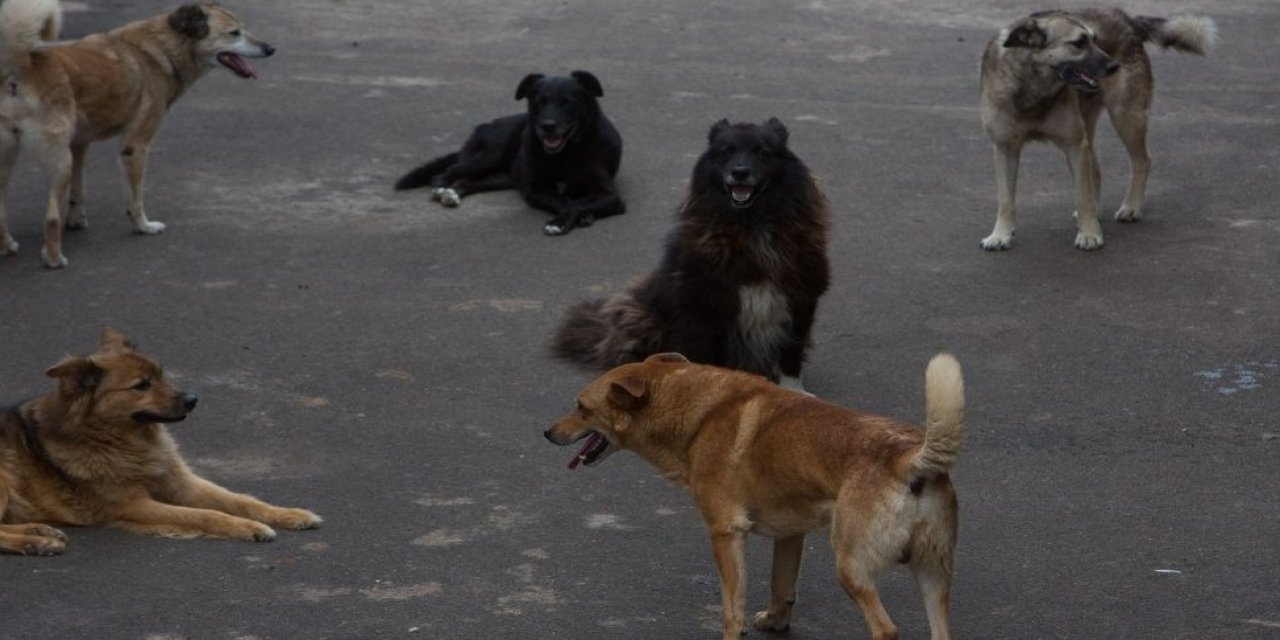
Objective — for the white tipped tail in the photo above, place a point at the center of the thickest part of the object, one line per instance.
(944, 421)
(23, 23)
(1186, 33)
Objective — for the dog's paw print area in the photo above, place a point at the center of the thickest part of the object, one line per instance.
(1236, 378)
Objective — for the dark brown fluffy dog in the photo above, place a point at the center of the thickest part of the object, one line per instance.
(739, 283)
(96, 452)
(762, 459)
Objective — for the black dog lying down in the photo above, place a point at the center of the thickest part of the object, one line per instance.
(562, 155)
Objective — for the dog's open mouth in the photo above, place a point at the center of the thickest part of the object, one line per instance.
(554, 143)
(146, 417)
(237, 65)
(595, 449)
(1079, 79)
(741, 195)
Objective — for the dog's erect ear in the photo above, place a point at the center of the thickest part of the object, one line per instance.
(526, 85)
(75, 374)
(589, 81)
(113, 340)
(629, 393)
(190, 20)
(666, 357)
(775, 126)
(1027, 33)
(717, 129)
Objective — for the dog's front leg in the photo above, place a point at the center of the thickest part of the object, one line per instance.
(729, 546)
(147, 516)
(782, 585)
(198, 492)
(1084, 170)
(1007, 156)
(134, 149)
(564, 212)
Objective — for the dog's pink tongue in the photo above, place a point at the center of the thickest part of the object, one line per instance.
(582, 453)
(740, 193)
(237, 65)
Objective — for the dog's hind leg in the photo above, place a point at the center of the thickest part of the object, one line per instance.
(28, 539)
(1131, 125)
(75, 209)
(934, 580)
(452, 194)
(8, 154)
(134, 148)
(782, 585)
(1007, 156)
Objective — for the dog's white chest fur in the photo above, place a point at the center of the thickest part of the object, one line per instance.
(763, 316)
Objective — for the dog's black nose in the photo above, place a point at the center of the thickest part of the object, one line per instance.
(547, 126)
(189, 401)
(267, 50)
(740, 173)
(547, 434)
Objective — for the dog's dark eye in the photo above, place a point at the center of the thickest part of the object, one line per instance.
(143, 384)
(1079, 42)
(235, 34)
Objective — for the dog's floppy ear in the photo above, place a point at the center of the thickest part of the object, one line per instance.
(717, 129)
(628, 393)
(75, 374)
(589, 81)
(666, 357)
(113, 340)
(525, 85)
(190, 20)
(776, 127)
(1026, 33)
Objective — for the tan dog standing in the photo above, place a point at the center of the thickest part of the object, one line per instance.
(763, 459)
(1049, 77)
(58, 98)
(96, 452)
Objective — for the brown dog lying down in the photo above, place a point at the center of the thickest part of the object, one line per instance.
(760, 458)
(96, 451)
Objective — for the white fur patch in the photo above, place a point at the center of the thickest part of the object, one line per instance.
(763, 318)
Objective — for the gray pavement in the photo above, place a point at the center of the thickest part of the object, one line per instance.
(381, 360)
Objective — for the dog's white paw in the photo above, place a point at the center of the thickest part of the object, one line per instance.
(53, 263)
(1088, 241)
(997, 241)
(148, 228)
(450, 198)
(770, 621)
(1127, 214)
(436, 193)
(553, 229)
(8, 246)
(794, 384)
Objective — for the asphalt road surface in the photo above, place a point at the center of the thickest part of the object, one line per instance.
(381, 360)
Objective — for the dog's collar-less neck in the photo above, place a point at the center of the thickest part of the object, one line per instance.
(35, 444)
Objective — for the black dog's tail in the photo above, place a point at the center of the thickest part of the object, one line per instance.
(604, 333)
(422, 176)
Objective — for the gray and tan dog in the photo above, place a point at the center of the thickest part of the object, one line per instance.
(1049, 76)
(59, 98)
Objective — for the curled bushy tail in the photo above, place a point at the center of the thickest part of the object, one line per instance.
(1186, 33)
(604, 333)
(23, 23)
(944, 421)
(422, 176)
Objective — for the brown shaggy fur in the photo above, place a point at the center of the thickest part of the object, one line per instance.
(95, 451)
